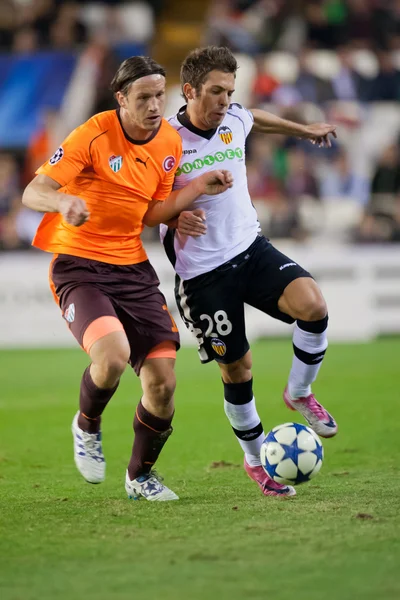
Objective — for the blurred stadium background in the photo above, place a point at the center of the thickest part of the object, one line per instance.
(336, 211)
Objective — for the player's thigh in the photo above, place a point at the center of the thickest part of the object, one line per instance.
(269, 272)
(149, 326)
(212, 309)
(91, 318)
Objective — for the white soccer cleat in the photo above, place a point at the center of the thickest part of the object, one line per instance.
(88, 453)
(148, 486)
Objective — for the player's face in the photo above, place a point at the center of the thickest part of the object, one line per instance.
(144, 103)
(209, 106)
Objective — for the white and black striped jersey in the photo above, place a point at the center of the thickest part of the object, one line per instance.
(232, 223)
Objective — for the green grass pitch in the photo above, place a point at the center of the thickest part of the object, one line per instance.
(61, 538)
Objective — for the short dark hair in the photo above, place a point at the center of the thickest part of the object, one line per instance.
(201, 61)
(134, 68)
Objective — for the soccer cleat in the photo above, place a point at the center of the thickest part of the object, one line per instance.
(88, 453)
(268, 486)
(148, 486)
(314, 413)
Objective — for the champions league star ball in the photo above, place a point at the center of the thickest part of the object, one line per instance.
(292, 453)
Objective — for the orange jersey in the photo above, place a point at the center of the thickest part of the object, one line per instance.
(117, 177)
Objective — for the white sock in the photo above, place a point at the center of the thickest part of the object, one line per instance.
(247, 427)
(309, 350)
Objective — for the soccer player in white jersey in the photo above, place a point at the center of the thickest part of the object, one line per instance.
(228, 264)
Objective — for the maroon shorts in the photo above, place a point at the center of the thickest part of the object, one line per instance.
(88, 289)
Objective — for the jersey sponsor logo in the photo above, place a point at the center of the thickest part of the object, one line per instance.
(218, 346)
(209, 160)
(225, 134)
(285, 266)
(57, 156)
(69, 313)
(169, 163)
(142, 162)
(191, 151)
(115, 163)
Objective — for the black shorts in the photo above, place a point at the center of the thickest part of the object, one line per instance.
(88, 289)
(212, 305)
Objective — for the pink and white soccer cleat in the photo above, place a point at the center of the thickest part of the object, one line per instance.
(314, 413)
(268, 486)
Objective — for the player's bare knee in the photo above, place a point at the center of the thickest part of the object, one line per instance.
(114, 364)
(314, 310)
(238, 371)
(160, 390)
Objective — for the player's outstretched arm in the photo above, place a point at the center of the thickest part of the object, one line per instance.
(317, 133)
(211, 184)
(42, 195)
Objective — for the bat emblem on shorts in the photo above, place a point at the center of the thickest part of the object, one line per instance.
(218, 346)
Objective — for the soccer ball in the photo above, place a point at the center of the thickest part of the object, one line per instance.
(292, 453)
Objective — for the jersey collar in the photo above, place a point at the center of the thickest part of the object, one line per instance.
(131, 140)
(185, 121)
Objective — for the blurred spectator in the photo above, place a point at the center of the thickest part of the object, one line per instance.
(17, 223)
(386, 85)
(264, 84)
(42, 144)
(326, 22)
(284, 220)
(386, 179)
(300, 180)
(348, 84)
(340, 182)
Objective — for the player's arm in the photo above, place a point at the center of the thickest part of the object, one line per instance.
(42, 195)
(317, 133)
(211, 184)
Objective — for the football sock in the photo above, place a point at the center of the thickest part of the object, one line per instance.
(92, 402)
(309, 344)
(151, 433)
(240, 408)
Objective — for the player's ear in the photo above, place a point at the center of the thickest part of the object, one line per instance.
(121, 99)
(189, 91)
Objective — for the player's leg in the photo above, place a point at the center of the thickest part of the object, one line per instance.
(303, 301)
(212, 309)
(152, 424)
(154, 339)
(92, 320)
(281, 288)
(240, 408)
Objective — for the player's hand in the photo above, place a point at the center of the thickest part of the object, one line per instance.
(73, 209)
(319, 133)
(192, 222)
(216, 182)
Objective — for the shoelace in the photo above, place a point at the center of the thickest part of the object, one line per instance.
(316, 408)
(92, 445)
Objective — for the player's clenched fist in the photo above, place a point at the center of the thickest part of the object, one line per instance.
(216, 182)
(74, 210)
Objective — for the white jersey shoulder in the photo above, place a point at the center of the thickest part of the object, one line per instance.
(232, 223)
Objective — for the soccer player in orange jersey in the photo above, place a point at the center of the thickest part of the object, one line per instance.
(110, 176)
